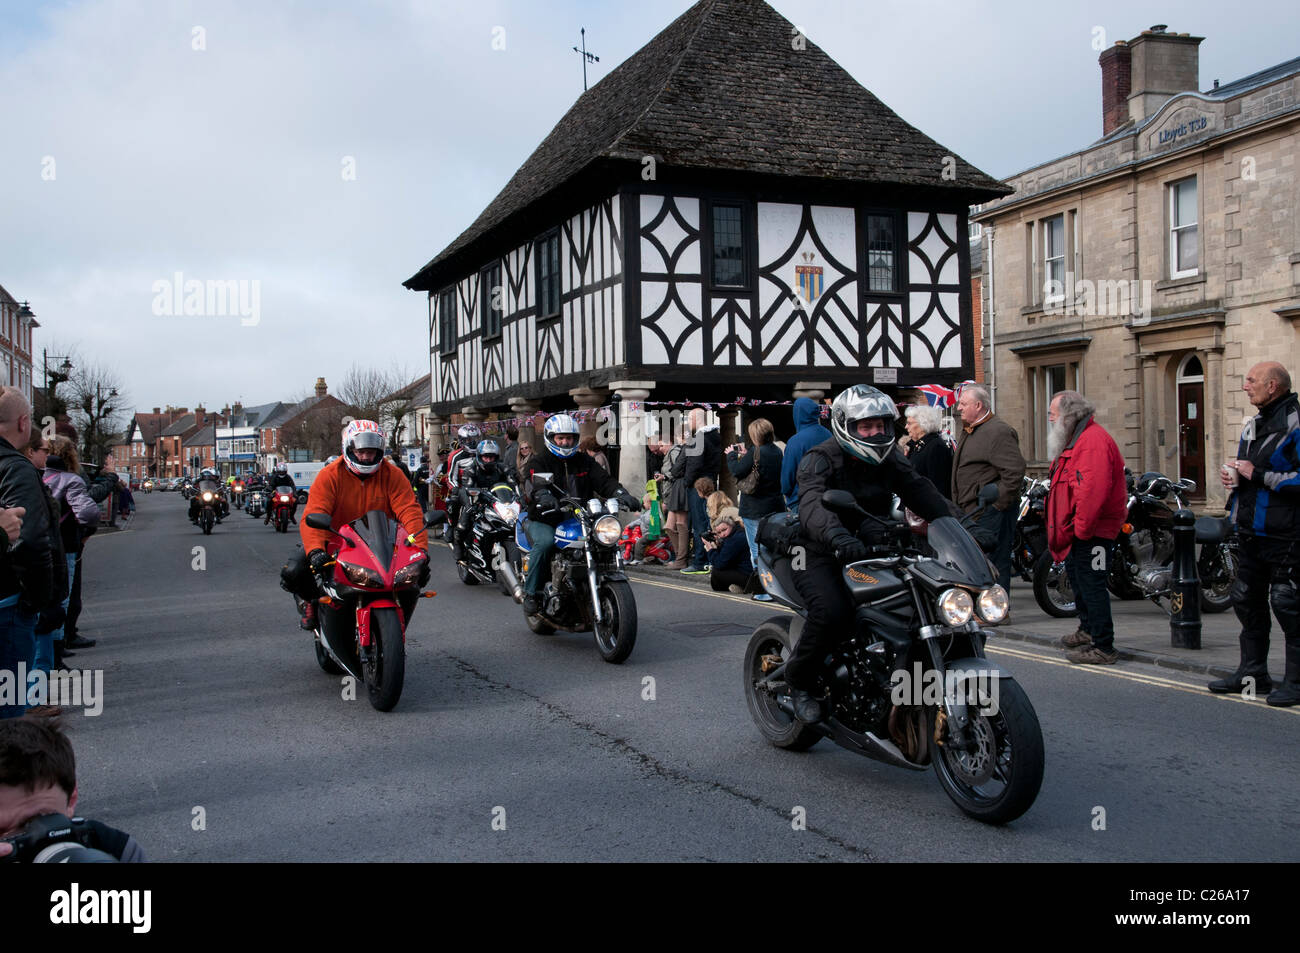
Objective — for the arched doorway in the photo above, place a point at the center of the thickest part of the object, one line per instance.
(1191, 423)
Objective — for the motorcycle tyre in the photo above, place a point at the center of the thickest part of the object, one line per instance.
(618, 645)
(780, 729)
(327, 664)
(384, 677)
(1043, 588)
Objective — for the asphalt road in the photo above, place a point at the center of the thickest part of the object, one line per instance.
(216, 716)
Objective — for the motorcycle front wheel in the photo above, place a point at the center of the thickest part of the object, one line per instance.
(1052, 589)
(999, 779)
(387, 666)
(616, 636)
(205, 520)
(772, 641)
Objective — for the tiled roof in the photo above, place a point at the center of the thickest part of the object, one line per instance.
(724, 88)
(180, 426)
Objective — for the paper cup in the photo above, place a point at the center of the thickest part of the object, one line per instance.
(1230, 471)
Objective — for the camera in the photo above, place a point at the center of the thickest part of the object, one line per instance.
(709, 537)
(56, 839)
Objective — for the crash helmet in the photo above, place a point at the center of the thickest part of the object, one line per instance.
(469, 435)
(282, 467)
(362, 437)
(207, 473)
(864, 402)
(559, 425)
(487, 452)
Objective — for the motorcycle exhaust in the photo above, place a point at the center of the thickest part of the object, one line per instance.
(512, 581)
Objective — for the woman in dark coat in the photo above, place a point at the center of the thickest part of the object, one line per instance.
(766, 497)
(927, 448)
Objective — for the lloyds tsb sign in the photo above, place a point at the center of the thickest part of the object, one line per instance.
(1172, 134)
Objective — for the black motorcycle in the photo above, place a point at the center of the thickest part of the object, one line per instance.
(588, 591)
(1030, 540)
(908, 684)
(490, 545)
(212, 508)
(1142, 567)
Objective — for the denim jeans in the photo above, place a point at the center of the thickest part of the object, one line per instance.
(45, 643)
(699, 526)
(1090, 593)
(751, 536)
(17, 644)
(542, 538)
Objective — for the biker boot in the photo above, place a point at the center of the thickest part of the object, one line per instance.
(308, 620)
(1286, 605)
(807, 707)
(532, 603)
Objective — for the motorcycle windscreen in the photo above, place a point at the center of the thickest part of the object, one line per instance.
(379, 532)
(568, 533)
(957, 558)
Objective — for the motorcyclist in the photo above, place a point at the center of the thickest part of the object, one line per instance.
(484, 473)
(361, 480)
(280, 478)
(573, 473)
(863, 458)
(208, 483)
(461, 455)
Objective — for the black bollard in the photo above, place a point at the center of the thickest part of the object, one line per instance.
(1185, 595)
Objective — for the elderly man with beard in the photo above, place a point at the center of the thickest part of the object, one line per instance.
(1086, 506)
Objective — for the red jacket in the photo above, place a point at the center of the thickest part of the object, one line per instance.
(1088, 497)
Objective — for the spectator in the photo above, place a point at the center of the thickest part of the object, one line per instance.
(38, 775)
(396, 457)
(125, 498)
(730, 568)
(1086, 507)
(1265, 505)
(26, 569)
(510, 452)
(927, 448)
(703, 459)
(589, 446)
(677, 522)
(766, 496)
(421, 481)
(522, 454)
(78, 519)
(715, 501)
(988, 451)
(808, 433)
(49, 653)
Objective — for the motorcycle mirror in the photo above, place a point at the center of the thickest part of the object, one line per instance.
(988, 494)
(434, 517)
(841, 500)
(318, 520)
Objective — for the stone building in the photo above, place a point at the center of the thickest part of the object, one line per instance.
(726, 214)
(1153, 267)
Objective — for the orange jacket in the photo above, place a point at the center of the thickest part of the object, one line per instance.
(344, 496)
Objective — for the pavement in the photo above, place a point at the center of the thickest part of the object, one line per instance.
(1142, 632)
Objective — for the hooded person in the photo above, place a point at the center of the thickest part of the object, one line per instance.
(808, 433)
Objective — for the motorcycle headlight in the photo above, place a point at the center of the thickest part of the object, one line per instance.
(360, 575)
(207, 497)
(955, 606)
(993, 605)
(408, 575)
(505, 511)
(607, 530)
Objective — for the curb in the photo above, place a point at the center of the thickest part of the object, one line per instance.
(1015, 634)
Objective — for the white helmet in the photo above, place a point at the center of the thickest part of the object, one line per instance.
(363, 435)
(560, 424)
(862, 402)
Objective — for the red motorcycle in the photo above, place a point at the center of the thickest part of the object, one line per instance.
(282, 506)
(361, 627)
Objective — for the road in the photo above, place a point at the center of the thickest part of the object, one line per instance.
(221, 740)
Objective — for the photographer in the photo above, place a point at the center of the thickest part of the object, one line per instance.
(728, 551)
(38, 776)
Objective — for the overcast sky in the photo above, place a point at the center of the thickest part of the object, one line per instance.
(127, 155)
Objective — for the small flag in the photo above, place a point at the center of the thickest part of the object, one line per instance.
(937, 396)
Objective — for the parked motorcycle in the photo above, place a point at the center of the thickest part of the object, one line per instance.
(1142, 567)
(282, 505)
(588, 591)
(491, 541)
(1030, 540)
(361, 629)
(917, 624)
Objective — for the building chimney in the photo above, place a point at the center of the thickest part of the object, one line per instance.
(157, 410)
(320, 387)
(1115, 86)
(1162, 64)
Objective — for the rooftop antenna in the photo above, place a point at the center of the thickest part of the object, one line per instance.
(586, 58)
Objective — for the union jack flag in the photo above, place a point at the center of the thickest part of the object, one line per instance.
(937, 396)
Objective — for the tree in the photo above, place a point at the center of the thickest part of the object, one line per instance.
(381, 396)
(98, 408)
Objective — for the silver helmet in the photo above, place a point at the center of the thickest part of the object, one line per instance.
(863, 402)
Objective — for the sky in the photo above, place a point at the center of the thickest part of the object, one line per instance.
(317, 154)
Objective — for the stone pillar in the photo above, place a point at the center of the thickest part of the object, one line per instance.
(1216, 497)
(439, 438)
(588, 399)
(1150, 412)
(525, 408)
(631, 434)
(815, 390)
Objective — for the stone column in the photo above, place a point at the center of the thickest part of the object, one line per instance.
(1150, 412)
(439, 439)
(814, 390)
(588, 399)
(1216, 438)
(525, 408)
(631, 434)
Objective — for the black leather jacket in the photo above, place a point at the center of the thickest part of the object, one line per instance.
(579, 476)
(26, 567)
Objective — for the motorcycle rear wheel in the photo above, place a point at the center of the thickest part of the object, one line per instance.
(1052, 590)
(467, 577)
(616, 636)
(1216, 579)
(998, 782)
(779, 728)
(386, 670)
(327, 664)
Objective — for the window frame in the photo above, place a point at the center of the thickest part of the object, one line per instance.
(1037, 386)
(747, 243)
(896, 276)
(1175, 229)
(1050, 300)
(491, 330)
(540, 244)
(445, 295)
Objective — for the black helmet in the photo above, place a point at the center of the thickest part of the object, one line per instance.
(863, 402)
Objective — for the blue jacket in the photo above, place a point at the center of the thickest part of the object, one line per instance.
(808, 433)
(732, 553)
